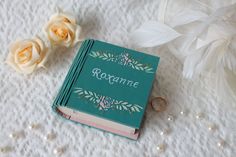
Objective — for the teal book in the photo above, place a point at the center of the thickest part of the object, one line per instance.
(107, 87)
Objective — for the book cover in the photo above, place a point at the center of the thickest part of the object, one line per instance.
(109, 82)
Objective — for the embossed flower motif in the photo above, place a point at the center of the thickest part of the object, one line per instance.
(62, 29)
(105, 103)
(27, 55)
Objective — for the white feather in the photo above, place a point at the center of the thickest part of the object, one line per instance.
(226, 86)
(216, 31)
(191, 62)
(153, 34)
(187, 16)
(224, 13)
(162, 10)
(212, 57)
(209, 49)
(229, 60)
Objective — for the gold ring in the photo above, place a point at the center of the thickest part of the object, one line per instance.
(159, 104)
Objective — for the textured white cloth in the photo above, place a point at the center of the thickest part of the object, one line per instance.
(26, 99)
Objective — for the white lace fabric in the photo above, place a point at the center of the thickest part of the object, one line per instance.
(26, 99)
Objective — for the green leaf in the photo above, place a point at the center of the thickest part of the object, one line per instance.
(105, 55)
(125, 107)
(136, 108)
(132, 109)
(87, 96)
(80, 93)
(96, 96)
(78, 88)
(124, 103)
(77, 91)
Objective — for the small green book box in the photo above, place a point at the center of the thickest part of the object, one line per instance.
(107, 87)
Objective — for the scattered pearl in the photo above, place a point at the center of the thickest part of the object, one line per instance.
(170, 118)
(34, 126)
(58, 151)
(211, 127)
(2, 150)
(14, 135)
(165, 132)
(50, 136)
(199, 115)
(221, 144)
(161, 147)
(183, 112)
(5, 149)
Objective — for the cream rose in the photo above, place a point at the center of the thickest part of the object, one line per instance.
(27, 55)
(62, 29)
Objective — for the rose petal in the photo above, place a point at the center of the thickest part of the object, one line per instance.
(68, 41)
(77, 35)
(63, 17)
(10, 61)
(70, 27)
(28, 70)
(14, 46)
(67, 15)
(53, 37)
(39, 41)
(45, 58)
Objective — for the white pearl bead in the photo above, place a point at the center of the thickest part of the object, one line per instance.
(5, 149)
(162, 133)
(199, 115)
(50, 136)
(212, 127)
(14, 135)
(221, 144)
(161, 147)
(182, 112)
(170, 118)
(2, 150)
(34, 126)
(165, 132)
(58, 151)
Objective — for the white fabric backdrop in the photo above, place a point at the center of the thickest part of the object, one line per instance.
(26, 99)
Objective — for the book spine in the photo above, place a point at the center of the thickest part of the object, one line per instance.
(72, 75)
(69, 74)
(78, 70)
